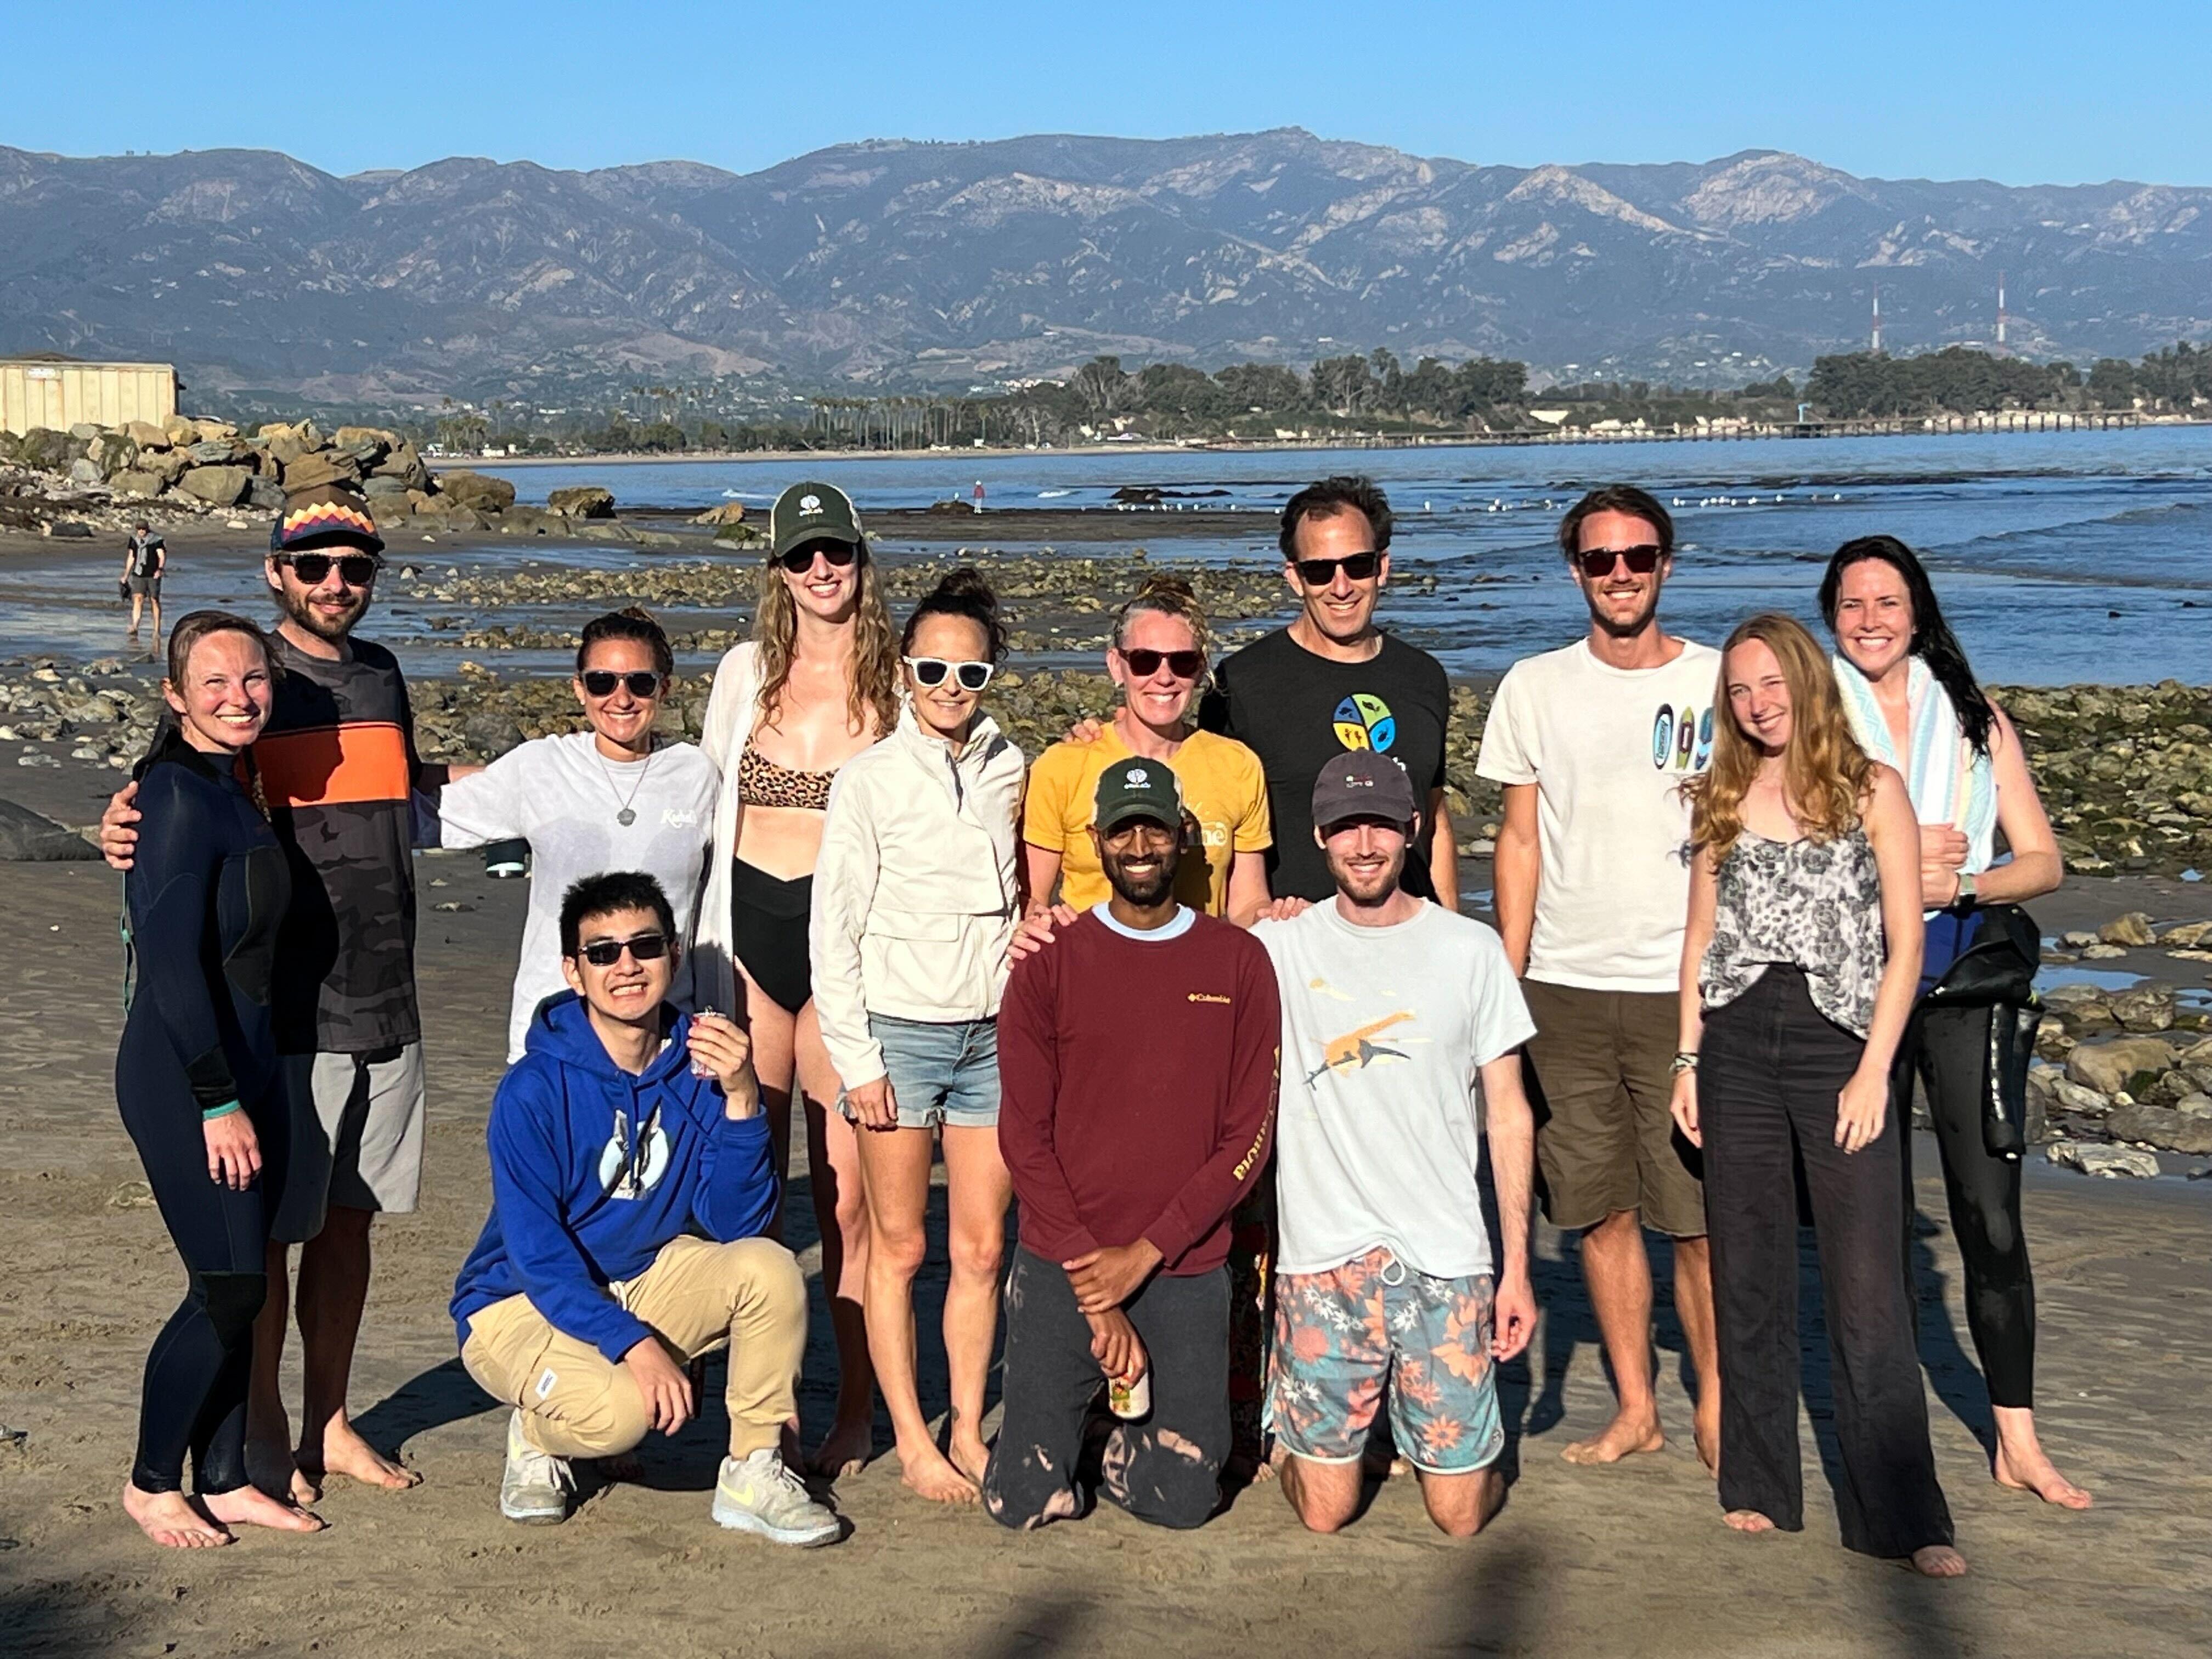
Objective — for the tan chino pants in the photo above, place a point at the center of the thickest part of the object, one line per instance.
(748, 1296)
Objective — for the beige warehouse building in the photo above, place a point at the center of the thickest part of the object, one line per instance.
(42, 391)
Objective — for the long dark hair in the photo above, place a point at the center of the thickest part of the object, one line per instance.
(1933, 641)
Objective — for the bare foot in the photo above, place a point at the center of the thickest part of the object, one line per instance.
(1749, 1520)
(845, 1452)
(970, 1456)
(927, 1471)
(2030, 1471)
(1939, 1561)
(1621, 1437)
(250, 1506)
(169, 1519)
(344, 1452)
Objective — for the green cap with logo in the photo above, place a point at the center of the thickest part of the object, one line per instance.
(1137, 788)
(812, 513)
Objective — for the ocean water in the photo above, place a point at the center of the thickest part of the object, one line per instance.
(2059, 556)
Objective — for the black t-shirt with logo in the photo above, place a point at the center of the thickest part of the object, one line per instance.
(1296, 711)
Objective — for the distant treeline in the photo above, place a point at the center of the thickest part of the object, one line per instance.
(1959, 380)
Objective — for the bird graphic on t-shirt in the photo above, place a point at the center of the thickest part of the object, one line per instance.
(1353, 1051)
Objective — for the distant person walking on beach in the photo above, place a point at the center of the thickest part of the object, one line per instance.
(337, 764)
(978, 494)
(1913, 704)
(1138, 1054)
(1332, 681)
(145, 557)
(1800, 964)
(632, 1177)
(915, 895)
(1399, 1017)
(614, 796)
(816, 684)
(198, 1078)
(1592, 742)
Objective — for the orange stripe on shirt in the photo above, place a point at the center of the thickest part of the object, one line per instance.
(332, 764)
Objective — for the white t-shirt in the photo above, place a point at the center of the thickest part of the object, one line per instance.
(1608, 749)
(1376, 1138)
(563, 797)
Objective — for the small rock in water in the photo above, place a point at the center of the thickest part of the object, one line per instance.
(2102, 952)
(2108, 1161)
(2077, 938)
(2133, 928)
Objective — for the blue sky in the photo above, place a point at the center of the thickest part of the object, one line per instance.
(2026, 92)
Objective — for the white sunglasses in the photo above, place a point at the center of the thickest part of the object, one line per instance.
(932, 671)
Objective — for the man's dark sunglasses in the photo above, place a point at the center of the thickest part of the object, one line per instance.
(1184, 664)
(838, 554)
(1320, 573)
(601, 683)
(605, 952)
(1642, 559)
(354, 569)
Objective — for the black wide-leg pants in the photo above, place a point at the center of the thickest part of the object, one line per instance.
(1770, 1068)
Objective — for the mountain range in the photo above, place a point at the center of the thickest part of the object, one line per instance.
(905, 265)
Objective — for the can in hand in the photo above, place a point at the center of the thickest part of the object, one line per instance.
(1128, 1399)
(700, 1068)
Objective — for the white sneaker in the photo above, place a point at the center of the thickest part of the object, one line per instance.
(534, 1488)
(759, 1493)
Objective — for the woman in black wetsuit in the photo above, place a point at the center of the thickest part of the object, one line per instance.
(198, 1078)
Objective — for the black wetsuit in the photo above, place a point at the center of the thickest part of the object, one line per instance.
(205, 896)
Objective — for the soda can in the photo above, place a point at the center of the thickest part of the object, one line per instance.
(700, 1068)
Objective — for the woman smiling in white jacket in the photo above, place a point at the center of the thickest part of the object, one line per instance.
(916, 897)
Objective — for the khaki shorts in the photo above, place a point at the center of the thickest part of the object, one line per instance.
(1601, 1064)
(369, 1154)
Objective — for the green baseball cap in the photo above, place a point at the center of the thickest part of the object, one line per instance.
(1137, 788)
(812, 513)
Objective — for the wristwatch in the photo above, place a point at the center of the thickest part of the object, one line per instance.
(1965, 888)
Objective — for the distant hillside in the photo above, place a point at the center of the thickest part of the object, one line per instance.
(948, 264)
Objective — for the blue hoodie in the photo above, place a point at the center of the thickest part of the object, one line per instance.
(592, 1170)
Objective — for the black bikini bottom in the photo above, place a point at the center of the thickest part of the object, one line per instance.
(768, 929)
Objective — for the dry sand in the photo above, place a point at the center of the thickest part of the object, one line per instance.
(1632, 1559)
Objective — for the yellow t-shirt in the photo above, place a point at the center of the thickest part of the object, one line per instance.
(1224, 787)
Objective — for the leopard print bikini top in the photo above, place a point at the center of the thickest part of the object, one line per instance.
(764, 783)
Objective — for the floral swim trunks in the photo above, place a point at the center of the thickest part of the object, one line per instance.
(1341, 1334)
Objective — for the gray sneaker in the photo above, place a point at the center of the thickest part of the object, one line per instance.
(760, 1494)
(535, 1486)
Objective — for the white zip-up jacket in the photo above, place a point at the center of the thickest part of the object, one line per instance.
(915, 894)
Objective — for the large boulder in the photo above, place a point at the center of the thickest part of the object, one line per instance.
(2147, 1008)
(146, 435)
(476, 491)
(311, 470)
(582, 501)
(86, 431)
(727, 513)
(374, 437)
(218, 451)
(135, 483)
(166, 464)
(182, 429)
(286, 443)
(113, 453)
(264, 493)
(25, 837)
(218, 486)
(378, 483)
(44, 448)
(2123, 1065)
(2162, 1127)
(205, 430)
(2131, 929)
(404, 462)
(86, 470)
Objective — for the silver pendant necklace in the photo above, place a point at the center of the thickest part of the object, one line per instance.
(626, 815)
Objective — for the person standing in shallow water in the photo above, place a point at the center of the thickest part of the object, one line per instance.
(1800, 960)
(1913, 703)
(816, 684)
(914, 899)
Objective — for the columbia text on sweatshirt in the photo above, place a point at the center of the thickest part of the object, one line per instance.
(592, 1170)
(1138, 1087)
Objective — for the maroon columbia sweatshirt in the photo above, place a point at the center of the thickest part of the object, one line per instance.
(1139, 1089)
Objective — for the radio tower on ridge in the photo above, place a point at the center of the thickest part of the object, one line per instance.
(2001, 311)
(1877, 318)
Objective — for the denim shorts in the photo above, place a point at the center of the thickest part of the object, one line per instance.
(1340, 1334)
(941, 1072)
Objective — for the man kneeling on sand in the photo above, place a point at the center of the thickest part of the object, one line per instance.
(631, 1180)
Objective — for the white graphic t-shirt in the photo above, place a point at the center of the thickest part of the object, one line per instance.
(1377, 1137)
(1608, 749)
